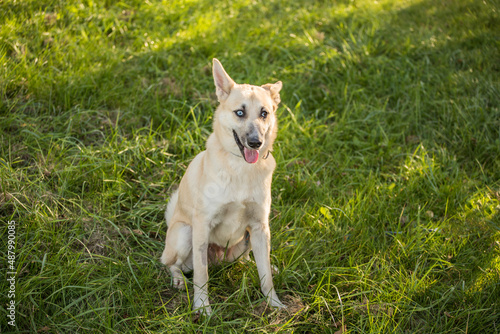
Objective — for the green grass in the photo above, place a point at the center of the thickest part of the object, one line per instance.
(386, 197)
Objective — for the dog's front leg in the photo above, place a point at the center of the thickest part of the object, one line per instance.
(260, 238)
(200, 268)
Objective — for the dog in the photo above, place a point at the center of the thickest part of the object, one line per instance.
(221, 209)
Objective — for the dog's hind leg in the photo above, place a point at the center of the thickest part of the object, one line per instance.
(177, 253)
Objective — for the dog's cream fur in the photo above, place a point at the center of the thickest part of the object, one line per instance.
(221, 208)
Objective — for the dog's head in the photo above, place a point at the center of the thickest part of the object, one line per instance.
(245, 120)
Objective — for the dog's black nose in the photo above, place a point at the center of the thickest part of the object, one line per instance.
(254, 143)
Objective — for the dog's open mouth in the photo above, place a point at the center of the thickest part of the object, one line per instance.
(250, 156)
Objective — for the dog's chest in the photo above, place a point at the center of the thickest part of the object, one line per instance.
(233, 198)
(228, 191)
(233, 211)
(228, 225)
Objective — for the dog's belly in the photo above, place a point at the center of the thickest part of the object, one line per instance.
(227, 226)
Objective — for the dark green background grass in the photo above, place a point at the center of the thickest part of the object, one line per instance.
(386, 196)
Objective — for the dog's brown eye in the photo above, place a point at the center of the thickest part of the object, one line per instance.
(263, 113)
(239, 113)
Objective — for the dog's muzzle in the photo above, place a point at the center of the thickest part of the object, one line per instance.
(251, 155)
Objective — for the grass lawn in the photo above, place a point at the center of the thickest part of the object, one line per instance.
(386, 197)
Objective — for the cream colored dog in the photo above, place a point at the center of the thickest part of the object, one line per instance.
(220, 211)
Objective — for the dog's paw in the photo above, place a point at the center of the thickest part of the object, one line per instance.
(201, 305)
(276, 303)
(203, 309)
(178, 283)
(177, 278)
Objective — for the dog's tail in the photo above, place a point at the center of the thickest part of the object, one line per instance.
(171, 207)
(169, 255)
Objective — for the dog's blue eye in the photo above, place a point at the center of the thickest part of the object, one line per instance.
(263, 114)
(239, 113)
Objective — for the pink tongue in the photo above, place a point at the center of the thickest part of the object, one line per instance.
(251, 156)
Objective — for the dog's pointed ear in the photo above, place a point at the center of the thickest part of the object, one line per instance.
(274, 90)
(223, 82)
